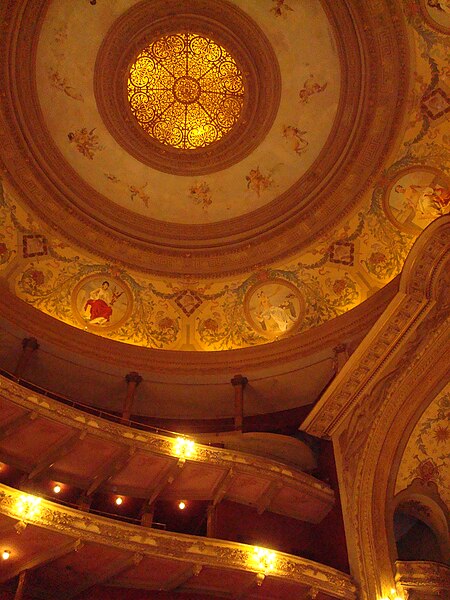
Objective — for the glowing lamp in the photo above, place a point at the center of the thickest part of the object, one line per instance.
(28, 506)
(119, 500)
(6, 554)
(183, 447)
(265, 559)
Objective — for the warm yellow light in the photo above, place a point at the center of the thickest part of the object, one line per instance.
(264, 559)
(6, 554)
(184, 447)
(119, 500)
(182, 505)
(185, 90)
(57, 489)
(28, 506)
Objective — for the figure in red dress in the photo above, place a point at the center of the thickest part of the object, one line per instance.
(100, 304)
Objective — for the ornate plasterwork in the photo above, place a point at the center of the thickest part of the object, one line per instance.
(203, 310)
(392, 330)
(426, 456)
(373, 404)
(186, 548)
(421, 579)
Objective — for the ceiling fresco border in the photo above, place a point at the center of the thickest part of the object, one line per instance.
(278, 230)
(350, 325)
(225, 24)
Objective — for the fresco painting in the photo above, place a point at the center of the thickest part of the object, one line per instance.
(438, 12)
(274, 308)
(280, 8)
(86, 142)
(102, 302)
(417, 198)
(343, 267)
(426, 456)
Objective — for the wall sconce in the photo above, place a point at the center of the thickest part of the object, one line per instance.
(119, 500)
(6, 554)
(28, 506)
(57, 488)
(183, 447)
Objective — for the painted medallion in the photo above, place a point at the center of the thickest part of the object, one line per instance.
(102, 302)
(416, 198)
(437, 13)
(274, 308)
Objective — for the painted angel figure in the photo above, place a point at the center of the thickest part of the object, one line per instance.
(280, 8)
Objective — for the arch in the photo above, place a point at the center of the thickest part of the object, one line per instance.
(424, 505)
(374, 403)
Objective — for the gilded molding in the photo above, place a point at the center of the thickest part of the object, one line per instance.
(394, 328)
(375, 398)
(424, 577)
(186, 548)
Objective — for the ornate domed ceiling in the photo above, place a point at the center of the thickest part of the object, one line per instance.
(318, 152)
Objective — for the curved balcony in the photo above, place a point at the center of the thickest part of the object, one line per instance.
(67, 553)
(40, 436)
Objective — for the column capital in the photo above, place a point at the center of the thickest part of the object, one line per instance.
(133, 377)
(239, 380)
(30, 343)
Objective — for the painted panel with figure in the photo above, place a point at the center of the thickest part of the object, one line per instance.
(417, 197)
(101, 302)
(274, 308)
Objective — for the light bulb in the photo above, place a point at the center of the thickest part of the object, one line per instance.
(119, 500)
(182, 505)
(57, 489)
(6, 554)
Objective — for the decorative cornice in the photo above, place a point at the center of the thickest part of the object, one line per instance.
(402, 317)
(352, 324)
(179, 547)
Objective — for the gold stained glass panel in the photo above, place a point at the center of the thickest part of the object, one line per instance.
(185, 90)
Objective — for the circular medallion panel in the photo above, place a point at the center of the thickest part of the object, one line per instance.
(437, 14)
(274, 308)
(416, 197)
(101, 303)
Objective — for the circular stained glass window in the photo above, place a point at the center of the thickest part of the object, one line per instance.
(185, 90)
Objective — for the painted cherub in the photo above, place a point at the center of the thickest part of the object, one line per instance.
(310, 87)
(85, 141)
(136, 192)
(295, 138)
(257, 182)
(280, 8)
(201, 194)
